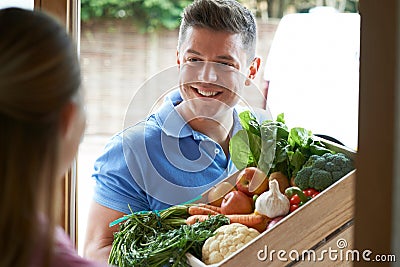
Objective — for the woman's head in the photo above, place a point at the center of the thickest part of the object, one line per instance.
(41, 120)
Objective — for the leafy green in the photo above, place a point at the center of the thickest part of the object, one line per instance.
(247, 152)
(249, 122)
(161, 238)
(269, 134)
(277, 149)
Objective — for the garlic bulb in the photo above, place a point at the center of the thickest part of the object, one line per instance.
(272, 203)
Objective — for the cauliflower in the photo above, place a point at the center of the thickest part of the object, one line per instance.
(226, 240)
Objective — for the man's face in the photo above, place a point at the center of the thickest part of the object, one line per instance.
(213, 71)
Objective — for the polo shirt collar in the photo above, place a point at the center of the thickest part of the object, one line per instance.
(172, 123)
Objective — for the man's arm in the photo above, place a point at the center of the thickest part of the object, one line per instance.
(99, 236)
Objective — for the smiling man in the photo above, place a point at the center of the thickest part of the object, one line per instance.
(182, 149)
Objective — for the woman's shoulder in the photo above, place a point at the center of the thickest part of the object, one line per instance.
(65, 253)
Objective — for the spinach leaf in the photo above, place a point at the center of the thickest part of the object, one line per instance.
(244, 149)
(249, 122)
(274, 159)
(299, 137)
(268, 146)
(296, 159)
(317, 148)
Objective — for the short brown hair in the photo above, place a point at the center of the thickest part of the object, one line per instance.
(221, 15)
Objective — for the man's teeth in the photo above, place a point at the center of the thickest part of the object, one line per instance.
(206, 93)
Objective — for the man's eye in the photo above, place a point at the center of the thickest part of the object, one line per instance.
(191, 59)
(228, 64)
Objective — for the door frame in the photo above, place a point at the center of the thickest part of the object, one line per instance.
(68, 13)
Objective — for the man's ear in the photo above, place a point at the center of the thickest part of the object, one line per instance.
(177, 58)
(68, 114)
(253, 70)
(254, 67)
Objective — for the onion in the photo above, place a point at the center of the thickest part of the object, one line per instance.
(274, 221)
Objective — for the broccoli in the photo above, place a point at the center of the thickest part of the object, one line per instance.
(319, 164)
(320, 179)
(319, 172)
(302, 177)
(330, 167)
(311, 160)
(336, 175)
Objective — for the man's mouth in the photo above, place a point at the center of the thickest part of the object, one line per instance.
(206, 93)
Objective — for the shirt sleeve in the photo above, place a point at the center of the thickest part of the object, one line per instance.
(115, 187)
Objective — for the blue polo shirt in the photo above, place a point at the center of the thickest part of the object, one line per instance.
(160, 162)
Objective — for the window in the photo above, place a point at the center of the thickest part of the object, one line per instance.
(26, 4)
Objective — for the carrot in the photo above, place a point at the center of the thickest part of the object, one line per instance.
(246, 219)
(211, 207)
(256, 221)
(201, 210)
(196, 218)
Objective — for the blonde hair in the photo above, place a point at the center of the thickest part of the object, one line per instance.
(39, 74)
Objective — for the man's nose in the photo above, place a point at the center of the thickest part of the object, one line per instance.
(207, 72)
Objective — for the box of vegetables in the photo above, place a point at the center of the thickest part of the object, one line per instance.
(293, 195)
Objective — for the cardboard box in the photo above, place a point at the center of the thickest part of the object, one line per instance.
(320, 227)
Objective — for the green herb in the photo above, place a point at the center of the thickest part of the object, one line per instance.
(161, 239)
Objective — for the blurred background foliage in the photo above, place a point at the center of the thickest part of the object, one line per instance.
(147, 15)
(152, 15)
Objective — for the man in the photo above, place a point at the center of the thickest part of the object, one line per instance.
(182, 149)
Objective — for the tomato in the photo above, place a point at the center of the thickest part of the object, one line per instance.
(310, 191)
(295, 199)
(315, 194)
(293, 207)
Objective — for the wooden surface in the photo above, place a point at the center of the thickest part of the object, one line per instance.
(342, 241)
(66, 12)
